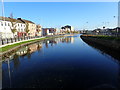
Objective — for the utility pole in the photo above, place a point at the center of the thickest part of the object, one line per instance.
(3, 13)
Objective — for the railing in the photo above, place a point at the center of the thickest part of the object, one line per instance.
(107, 34)
(4, 41)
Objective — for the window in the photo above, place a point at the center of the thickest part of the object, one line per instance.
(8, 24)
(1, 24)
(5, 24)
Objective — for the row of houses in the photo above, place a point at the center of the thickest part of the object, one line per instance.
(10, 28)
(105, 31)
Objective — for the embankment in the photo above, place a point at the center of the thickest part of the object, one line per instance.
(108, 46)
(13, 47)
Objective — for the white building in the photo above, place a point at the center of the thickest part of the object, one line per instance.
(72, 28)
(67, 28)
(57, 31)
(5, 29)
(48, 31)
(20, 27)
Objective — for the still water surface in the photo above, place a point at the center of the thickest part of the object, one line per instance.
(59, 63)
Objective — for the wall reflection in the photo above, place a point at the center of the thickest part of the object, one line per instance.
(29, 49)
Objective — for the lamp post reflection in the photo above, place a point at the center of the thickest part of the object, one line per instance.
(9, 72)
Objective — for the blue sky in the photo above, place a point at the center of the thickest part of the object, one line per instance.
(57, 14)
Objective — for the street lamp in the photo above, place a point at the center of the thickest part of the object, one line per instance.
(117, 27)
(3, 17)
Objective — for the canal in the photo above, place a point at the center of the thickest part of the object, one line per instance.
(65, 62)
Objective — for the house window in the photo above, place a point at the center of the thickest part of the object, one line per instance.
(8, 24)
(18, 24)
(1, 24)
(5, 24)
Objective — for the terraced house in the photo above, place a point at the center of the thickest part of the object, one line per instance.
(38, 30)
(30, 27)
(5, 28)
(18, 27)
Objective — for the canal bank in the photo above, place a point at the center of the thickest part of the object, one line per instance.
(6, 50)
(108, 42)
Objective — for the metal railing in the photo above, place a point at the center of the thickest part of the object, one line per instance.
(4, 41)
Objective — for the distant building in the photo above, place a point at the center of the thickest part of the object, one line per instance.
(38, 30)
(67, 28)
(48, 31)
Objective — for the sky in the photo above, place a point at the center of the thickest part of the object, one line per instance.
(61, 0)
(80, 15)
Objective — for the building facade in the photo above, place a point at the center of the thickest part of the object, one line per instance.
(67, 28)
(5, 29)
(48, 31)
(38, 30)
(31, 27)
(20, 28)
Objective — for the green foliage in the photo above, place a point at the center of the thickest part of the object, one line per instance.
(13, 27)
(27, 29)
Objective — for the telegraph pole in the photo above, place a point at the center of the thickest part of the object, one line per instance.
(3, 13)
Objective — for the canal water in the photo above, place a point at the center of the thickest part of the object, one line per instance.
(65, 62)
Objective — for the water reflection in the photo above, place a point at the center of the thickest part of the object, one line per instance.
(104, 50)
(29, 49)
(45, 64)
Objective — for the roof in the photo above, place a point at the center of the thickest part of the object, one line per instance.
(18, 20)
(27, 21)
(10, 19)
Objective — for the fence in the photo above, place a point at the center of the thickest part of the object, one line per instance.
(4, 41)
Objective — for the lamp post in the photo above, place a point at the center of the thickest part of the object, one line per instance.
(117, 26)
(3, 14)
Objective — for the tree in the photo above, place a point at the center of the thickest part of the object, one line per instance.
(27, 29)
(13, 26)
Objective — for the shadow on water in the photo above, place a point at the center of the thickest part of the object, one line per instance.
(106, 52)
(103, 50)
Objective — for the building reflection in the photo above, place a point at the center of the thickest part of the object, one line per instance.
(55, 41)
(51, 42)
(22, 52)
(68, 40)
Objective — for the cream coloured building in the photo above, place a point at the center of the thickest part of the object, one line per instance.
(38, 30)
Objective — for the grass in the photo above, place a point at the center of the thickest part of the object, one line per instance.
(105, 37)
(8, 47)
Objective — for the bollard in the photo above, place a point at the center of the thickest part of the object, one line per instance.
(11, 40)
(7, 41)
(2, 42)
(15, 39)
